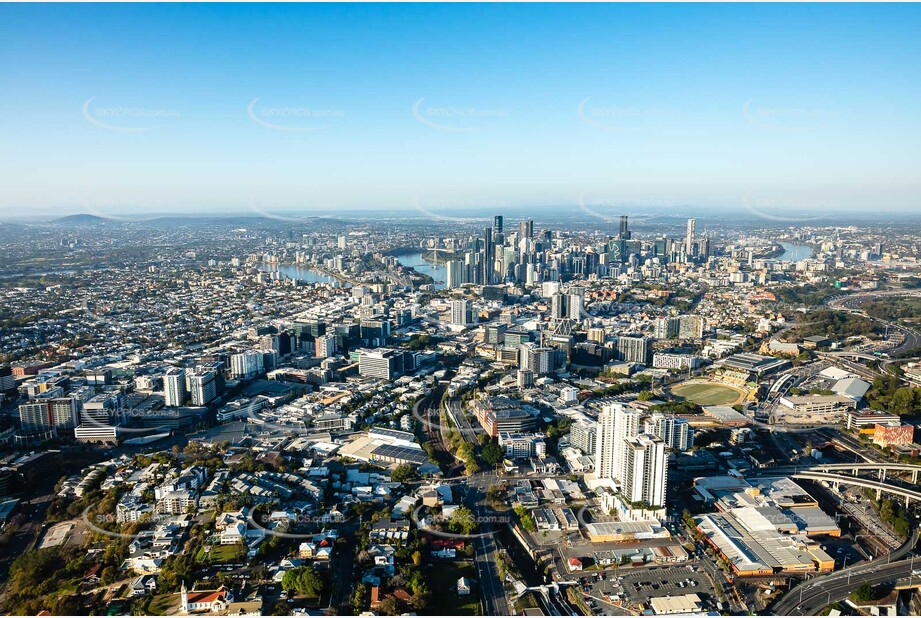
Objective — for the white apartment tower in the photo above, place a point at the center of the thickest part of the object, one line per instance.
(645, 470)
(616, 424)
(174, 391)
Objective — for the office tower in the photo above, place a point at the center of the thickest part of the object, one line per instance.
(706, 249)
(525, 229)
(535, 359)
(7, 381)
(689, 237)
(461, 312)
(106, 409)
(174, 392)
(325, 346)
(582, 436)
(497, 224)
(624, 232)
(645, 470)
(456, 274)
(495, 333)
(676, 432)
(375, 332)
(615, 424)
(660, 247)
(690, 327)
(340, 242)
(667, 328)
(635, 349)
(489, 256)
(514, 338)
(530, 274)
(383, 363)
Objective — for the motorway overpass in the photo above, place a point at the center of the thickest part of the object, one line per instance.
(808, 598)
(844, 479)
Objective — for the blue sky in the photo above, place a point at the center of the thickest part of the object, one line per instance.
(157, 108)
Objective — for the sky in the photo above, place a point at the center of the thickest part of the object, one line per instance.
(134, 109)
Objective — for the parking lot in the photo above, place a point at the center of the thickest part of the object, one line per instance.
(639, 585)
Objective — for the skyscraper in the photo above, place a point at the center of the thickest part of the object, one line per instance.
(624, 232)
(456, 273)
(497, 224)
(645, 470)
(461, 312)
(489, 256)
(676, 432)
(202, 387)
(689, 237)
(174, 391)
(635, 349)
(616, 423)
(525, 229)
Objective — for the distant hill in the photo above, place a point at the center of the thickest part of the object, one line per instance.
(83, 219)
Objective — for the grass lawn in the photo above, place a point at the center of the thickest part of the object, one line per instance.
(442, 580)
(163, 604)
(707, 394)
(220, 554)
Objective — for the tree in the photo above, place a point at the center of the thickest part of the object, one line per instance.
(527, 522)
(390, 606)
(463, 521)
(492, 452)
(402, 473)
(358, 598)
(866, 592)
(304, 580)
(417, 558)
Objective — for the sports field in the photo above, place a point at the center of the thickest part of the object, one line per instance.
(708, 393)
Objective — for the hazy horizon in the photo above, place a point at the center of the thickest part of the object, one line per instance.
(125, 110)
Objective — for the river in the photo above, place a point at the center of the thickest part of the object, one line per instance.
(417, 262)
(794, 252)
(298, 272)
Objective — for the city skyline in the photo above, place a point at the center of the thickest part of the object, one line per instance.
(123, 110)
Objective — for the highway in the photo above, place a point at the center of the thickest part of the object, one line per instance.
(911, 339)
(811, 596)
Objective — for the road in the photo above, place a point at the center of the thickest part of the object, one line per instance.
(808, 598)
(454, 409)
(911, 339)
(485, 548)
